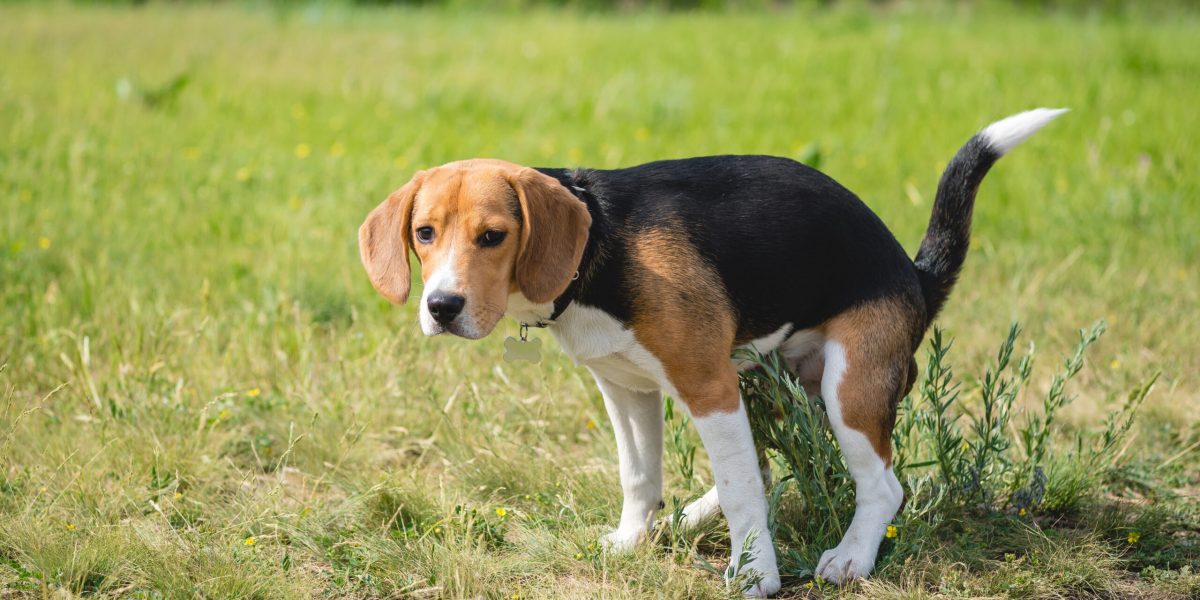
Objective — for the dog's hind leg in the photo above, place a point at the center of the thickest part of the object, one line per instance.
(867, 356)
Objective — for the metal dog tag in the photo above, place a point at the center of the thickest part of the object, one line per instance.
(516, 350)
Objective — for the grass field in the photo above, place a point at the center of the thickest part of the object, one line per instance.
(202, 396)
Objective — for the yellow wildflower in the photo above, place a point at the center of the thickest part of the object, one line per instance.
(250, 541)
(303, 150)
(1021, 512)
(501, 512)
(891, 531)
(1115, 364)
(254, 392)
(578, 556)
(590, 424)
(70, 527)
(1133, 537)
(44, 243)
(178, 495)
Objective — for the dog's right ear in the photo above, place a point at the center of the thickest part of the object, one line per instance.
(384, 240)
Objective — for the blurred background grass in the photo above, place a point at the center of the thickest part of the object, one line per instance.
(181, 185)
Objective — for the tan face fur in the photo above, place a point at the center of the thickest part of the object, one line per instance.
(451, 217)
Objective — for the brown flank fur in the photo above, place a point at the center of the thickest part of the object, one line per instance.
(877, 339)
(684, 318)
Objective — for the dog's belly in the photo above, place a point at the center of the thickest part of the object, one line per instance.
(800, 349)
(594, 339)
(763, 345)
(623, 372)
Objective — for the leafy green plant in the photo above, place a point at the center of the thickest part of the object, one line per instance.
(680, 444)
(737, 575)
(959, 455)
(791, 426)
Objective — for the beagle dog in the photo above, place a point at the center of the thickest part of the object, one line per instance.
(652, 276)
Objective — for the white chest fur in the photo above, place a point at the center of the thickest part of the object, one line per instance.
(596, 340)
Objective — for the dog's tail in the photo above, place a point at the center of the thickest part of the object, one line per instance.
(945, 245)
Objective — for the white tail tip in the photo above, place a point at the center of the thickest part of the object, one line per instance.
(1006, 134)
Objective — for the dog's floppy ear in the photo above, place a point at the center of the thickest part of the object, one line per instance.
(554, 231)
(384, 240)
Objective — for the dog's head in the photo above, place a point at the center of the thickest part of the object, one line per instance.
(482, 230)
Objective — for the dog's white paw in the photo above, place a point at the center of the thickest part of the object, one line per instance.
(846, 562)
(768, 585)
(620, 541)
(762, 567)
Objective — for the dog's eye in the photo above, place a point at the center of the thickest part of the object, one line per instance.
(425, 234)
(491, 238)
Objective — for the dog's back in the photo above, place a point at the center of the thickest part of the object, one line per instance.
(789, 244)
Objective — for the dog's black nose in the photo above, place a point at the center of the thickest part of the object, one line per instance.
(444, 307)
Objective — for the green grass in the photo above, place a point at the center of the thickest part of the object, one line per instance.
(201, 395)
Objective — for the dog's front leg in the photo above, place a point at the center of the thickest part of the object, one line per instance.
(725, 431)
(637, 421)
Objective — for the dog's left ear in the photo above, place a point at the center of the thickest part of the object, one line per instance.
(554, 232)
(384, 239)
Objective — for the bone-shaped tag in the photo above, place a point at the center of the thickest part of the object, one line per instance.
(517, 350)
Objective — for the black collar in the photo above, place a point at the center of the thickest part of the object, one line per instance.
(560, 304)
